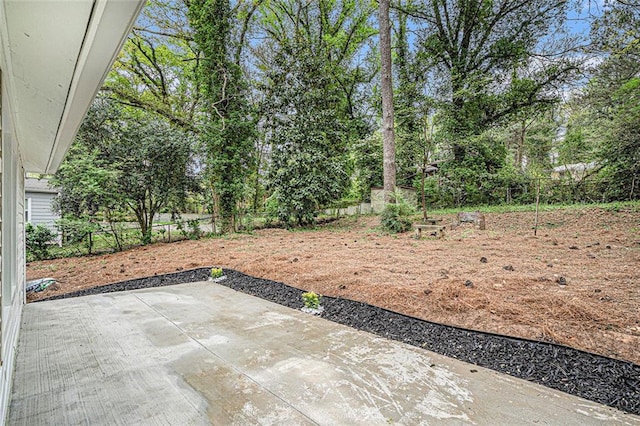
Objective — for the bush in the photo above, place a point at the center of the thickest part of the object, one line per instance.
(192, 229)
(38, 239)
(392, 220)
(395, 216)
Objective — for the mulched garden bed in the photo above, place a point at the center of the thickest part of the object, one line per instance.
(600, 379)
(188, 276)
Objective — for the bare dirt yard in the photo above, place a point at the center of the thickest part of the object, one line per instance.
(576, 283)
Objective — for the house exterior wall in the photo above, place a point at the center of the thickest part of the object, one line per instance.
(40, 209)
(12, 249)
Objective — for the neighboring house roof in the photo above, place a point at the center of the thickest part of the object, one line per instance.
(54, 56)
(39, 185)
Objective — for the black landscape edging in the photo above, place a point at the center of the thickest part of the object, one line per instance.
(594, 377)
(188, 276)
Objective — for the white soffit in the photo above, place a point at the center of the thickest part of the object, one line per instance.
(59, 53)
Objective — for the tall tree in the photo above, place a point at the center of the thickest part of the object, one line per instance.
(617, 30)
(228, 129)
(493, 58)
(308, 169)
(155, 71)
(386, 85)
(310, 73)
(125, 160)
(413, 109)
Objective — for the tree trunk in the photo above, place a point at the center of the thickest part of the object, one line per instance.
(388, 137)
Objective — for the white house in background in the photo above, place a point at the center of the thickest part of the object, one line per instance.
(54, 55)
(577, 171)
(38, 203)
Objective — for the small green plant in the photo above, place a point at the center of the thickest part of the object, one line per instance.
(311, 300)
(216, 273)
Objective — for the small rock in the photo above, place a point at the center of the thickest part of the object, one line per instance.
(122, 270)
(355, 273)
(561, 280)
(550, 265)
(473, 370)
(573, 248)
(342, 287)
(591, 256)
(554, 242)
(608, 246)
(597, 290)
(427, 292)
(180, 268)
(508, 268)
(483, 259)
(295, 259)
(593, 244)
(468, 283)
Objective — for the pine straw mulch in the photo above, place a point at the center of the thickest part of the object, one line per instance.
(516, 292)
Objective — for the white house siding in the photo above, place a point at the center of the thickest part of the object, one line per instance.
(12, 254)
(41, 209)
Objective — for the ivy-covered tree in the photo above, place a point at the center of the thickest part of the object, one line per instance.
(228, 129)
(413, 108)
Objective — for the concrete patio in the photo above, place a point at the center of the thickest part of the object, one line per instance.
(201, 353)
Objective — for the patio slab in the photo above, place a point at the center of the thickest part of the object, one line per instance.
(201, 353)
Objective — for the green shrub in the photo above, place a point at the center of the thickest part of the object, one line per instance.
(38, 239)
(192, 229)
(393, 221)
(311, 300)
(395, 217)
